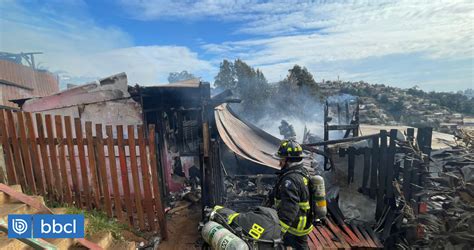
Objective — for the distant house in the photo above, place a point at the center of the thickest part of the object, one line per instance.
(18, 81)
(468, 121)
(448, 126)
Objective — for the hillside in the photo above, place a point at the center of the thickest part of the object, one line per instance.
(382, 104)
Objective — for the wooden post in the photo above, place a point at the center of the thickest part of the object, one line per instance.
(382, 174)
(339, 114)
(366, 173)
(326, 132)
(348, 115)
(351, 164)
(356, 120)
(374, 167)
(156, 187)
(391, 164)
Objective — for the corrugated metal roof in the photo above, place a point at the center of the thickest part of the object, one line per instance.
(18, 81)
(249, 143)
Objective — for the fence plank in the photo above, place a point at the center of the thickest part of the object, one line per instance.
(156, 186)
(16, 149)
(391, 163)
(382, 174)
(374, 166)
(366, 171)
(113, 171)
(11, 174)
(25, 153)
(99, 148)
(72, 161)
(82, 162)
(58, 192)
(35, 157)
(147, 201)
(124, 171)
(92, 165)
(351, 151)
(44, 155)
(136, 181)
(62, 160)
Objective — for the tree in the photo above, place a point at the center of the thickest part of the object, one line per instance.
(248, 84)
(180, 76)
(226, 76)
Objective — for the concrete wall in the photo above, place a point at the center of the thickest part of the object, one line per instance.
(106, 101)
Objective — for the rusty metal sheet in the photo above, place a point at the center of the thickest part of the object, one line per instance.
(18, 81)
(330, 235)
(248, 142)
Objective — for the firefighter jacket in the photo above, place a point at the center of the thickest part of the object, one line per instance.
(291, 199)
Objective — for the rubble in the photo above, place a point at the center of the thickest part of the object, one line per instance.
(445, 217)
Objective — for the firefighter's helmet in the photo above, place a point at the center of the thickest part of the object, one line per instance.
(289, 149)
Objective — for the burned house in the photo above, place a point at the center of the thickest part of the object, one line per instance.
(198, 140)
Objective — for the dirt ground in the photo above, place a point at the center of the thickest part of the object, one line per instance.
(183, 230)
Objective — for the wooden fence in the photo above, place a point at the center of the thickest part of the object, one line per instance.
(59, 158)
(390, 160)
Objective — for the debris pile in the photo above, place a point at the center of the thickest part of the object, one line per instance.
(449, 221)
(444, 218)
(245, 190)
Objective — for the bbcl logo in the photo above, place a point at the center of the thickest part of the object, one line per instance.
(46, 226)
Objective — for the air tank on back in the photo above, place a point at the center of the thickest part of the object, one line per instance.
(319, 196)
(219, 238)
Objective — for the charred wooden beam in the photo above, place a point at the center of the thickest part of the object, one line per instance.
(343, 127)
(331, 142)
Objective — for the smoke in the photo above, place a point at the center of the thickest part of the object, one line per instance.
(342, 98)
(298, 107)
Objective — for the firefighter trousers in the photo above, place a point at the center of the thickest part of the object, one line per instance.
(296, 242)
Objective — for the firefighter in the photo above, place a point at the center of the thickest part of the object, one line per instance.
(291, 196)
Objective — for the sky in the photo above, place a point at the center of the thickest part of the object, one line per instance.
(403, 43)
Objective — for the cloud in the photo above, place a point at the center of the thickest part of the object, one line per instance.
(222, 9)
(79, 49)
(340, 33)
(330, 37)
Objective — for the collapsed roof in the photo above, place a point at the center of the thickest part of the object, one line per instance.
(245, 139)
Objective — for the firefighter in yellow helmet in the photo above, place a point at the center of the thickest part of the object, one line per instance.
(291, 196)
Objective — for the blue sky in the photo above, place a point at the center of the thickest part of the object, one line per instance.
(399, 43)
